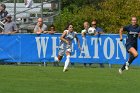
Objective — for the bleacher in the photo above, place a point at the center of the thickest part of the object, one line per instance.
(27, 17)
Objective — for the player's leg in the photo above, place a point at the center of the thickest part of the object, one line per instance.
(60, 55)
(58, 58)
(67, 61)
(133, 54)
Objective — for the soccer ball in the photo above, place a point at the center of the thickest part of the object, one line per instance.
(91, 31)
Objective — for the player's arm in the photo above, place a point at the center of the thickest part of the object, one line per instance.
(121, 32)
(62, 37)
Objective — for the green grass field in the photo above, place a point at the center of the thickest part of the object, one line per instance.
(35, 79)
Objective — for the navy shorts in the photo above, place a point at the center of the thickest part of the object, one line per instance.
(130, 45)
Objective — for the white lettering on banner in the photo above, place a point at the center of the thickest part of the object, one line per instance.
(112, 49)
(96, 42)
(122, 47)
(42, 45)
(54, 47)
(85, 50)
(73, 50)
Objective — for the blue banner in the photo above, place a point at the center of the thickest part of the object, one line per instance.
(43, 48)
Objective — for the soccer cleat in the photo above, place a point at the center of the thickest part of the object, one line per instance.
(120, 71)
(127, 66)
(65, 70)
(56, 59)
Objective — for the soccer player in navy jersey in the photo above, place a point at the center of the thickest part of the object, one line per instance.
(133, 32)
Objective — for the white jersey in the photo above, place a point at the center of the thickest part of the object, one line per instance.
(69, 37)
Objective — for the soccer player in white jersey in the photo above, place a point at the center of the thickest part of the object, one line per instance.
(66, 45)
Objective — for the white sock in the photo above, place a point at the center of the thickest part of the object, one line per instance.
(56, 59)
(67, 62)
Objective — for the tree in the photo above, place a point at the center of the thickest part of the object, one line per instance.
(110, 14)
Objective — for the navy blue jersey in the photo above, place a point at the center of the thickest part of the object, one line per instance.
(132, 33)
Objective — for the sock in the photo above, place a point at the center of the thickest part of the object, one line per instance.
(67, 62)
(56, 59)
(123, 67)
(131, 58)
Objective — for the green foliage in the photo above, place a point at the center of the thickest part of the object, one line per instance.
(76, 17)
(111, 14)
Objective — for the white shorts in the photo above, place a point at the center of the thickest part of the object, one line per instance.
(62, 51)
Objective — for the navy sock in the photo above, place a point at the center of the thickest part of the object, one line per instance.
(123, 67)
(131, 58)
